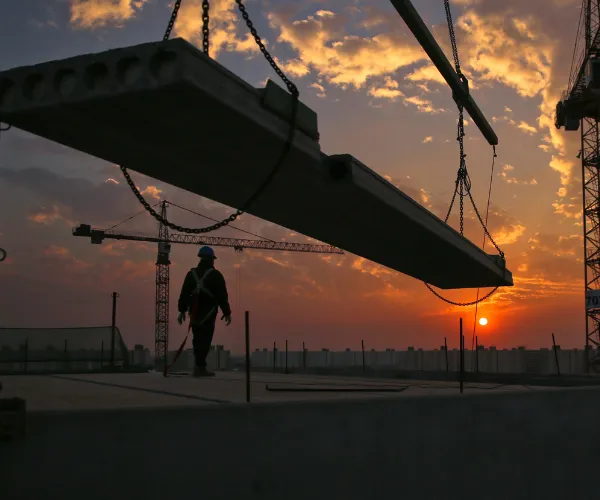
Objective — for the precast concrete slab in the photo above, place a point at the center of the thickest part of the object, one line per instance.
(168, 111)
(494, 446)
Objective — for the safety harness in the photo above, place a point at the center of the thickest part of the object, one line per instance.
(200, 288)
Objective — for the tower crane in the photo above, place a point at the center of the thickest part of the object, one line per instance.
(164, 240)
(580, 105)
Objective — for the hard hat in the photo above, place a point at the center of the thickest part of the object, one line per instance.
(207, 252)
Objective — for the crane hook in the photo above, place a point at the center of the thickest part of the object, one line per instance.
(2, 254)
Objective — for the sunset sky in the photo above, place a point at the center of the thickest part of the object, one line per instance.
(378, 98)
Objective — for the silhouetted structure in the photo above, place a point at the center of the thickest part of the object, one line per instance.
(59, 349)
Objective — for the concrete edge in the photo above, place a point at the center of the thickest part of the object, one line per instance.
(348, 404)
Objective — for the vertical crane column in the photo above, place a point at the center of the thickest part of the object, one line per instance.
(161, 328)
(590, 160)
(580, 106)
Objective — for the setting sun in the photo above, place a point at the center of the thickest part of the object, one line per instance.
(483, 321)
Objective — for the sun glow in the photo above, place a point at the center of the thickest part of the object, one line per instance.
(483, 321)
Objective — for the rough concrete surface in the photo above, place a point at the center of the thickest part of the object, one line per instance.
(495, 444)
(114, 390)
(168, 111)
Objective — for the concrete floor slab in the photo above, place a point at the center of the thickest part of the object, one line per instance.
(151, 390)
(166, 110)
(55, 393)
(495, 445)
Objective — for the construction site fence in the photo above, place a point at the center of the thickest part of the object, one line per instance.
(26, 360)
(492, 360)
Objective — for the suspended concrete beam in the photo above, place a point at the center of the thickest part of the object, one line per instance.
(461, 94)
(166, 110)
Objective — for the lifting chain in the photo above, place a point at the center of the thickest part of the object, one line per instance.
(205, 31)
(290, 86)
(293, 90)
(463, 181)
(171, 24)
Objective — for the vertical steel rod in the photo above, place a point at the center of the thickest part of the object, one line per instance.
(303, 356)
(26, 355)
(555, 347)
(363, 355)
(462, 359)
(113, 329)
(247, 357)
(476, 354)
(446, 349)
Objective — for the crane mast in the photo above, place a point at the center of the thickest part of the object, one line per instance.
(161, 324)
(164, 240)
(580, 106)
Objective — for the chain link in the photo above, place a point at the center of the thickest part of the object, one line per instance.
(452, 37)
(463, 181)
(461, 304)
(205, 29)
(286, 148)
(291, 87)
(171, 24)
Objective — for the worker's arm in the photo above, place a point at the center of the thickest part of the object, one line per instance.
(220, 292)
(186, 290)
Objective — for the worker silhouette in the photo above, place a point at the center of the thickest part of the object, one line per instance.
(204, 291)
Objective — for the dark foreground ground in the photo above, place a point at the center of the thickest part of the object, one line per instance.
(141, 435)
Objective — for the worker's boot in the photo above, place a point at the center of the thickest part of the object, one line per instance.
(202, 372)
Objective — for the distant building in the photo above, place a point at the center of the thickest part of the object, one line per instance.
(141, 356)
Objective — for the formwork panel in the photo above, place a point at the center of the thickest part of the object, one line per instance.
(168, 111)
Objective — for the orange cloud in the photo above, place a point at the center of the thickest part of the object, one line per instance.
(423, 105)
(525, 127)
(131, 270)
(427, 73)
(61, 259)
(114, 248)
(388, 292)
(506, 177)
(319, 88)
(223, 25)
(388, 90)
(152, 191)
(56, 251)
(365, 266)
(508, 236)
(43, 216)
(522, 125)
(323, 44)
(100, 13)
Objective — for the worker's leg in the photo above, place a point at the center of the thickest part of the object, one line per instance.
(203, 335)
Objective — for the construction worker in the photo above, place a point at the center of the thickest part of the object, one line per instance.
(203, 292)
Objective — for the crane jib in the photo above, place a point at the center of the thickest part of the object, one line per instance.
(98, 235)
